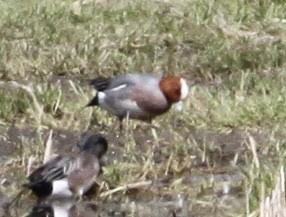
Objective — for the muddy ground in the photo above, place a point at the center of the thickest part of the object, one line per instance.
(221, 146)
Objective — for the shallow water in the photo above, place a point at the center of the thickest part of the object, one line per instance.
(179, 205)
(212, 193)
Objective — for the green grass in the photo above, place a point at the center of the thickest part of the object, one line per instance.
(236, 50)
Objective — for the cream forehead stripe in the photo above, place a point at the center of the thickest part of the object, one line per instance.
(184, 88)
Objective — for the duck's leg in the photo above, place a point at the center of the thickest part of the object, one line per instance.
(120, 124)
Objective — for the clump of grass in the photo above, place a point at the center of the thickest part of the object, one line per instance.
(13, 107)
(275, 204)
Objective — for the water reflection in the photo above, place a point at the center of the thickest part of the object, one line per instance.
(64, 208)
(69, 208)
(168, 205)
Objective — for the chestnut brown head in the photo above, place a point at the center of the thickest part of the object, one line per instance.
(174, 88)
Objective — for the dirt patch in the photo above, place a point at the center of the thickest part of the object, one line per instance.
(222, 146)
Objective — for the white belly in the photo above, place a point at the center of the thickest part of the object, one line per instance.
(61, 187)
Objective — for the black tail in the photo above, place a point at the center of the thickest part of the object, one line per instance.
(100, 83)
(93, 101)
(41, 189)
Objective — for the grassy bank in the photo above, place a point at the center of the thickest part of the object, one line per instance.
(233, 121)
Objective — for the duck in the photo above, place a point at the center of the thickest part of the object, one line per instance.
(69, 176)
(141, 96)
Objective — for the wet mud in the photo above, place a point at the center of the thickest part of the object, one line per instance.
(222, 146)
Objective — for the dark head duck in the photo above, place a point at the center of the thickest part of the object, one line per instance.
(70, 176)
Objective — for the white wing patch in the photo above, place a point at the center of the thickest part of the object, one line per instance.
(118, 87)
(101, 95)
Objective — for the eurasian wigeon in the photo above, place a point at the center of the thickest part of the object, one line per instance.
(138, 96)
(69, 176)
